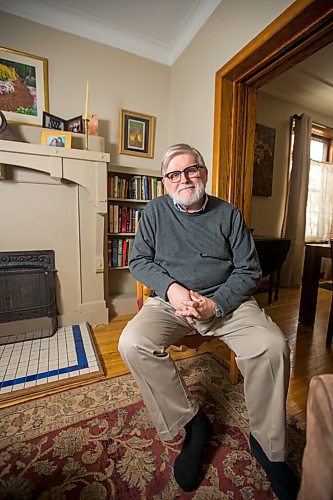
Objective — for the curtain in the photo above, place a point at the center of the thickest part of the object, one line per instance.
(295, 213)
(319, 210)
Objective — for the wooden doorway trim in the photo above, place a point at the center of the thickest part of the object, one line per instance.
(304, 28)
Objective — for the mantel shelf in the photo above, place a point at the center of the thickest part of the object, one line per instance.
(128, 200)
(37, 149)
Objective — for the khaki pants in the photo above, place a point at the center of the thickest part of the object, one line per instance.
(262, 356)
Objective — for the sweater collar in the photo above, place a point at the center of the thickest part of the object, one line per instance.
(180, 209)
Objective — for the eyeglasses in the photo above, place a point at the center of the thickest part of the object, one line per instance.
(190, 172)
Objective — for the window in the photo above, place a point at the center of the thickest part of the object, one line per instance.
(319, 209)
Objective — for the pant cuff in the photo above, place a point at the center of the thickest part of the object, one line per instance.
(179, 426)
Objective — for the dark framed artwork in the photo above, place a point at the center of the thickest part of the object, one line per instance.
(54, 122)
(75, 125)
(263, 160)
(57, 123)
(137, 134)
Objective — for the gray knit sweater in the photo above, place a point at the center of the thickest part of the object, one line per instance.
(211, 252)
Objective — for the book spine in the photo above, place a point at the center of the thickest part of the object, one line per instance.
(115, 186)
(111, 229)
(124, 253)
(120, 253)
(115, 218)
(109, 253)
(124, 210)
(114, 262)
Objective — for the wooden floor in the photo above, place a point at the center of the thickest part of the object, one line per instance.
(309, 355)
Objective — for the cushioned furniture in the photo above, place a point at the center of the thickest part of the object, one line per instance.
(317, 474)
(193, 340)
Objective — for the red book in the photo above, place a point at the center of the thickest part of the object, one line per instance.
(125, 251)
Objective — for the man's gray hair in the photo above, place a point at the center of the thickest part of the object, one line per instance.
(179, 149)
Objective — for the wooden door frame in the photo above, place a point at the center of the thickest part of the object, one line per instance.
(300, 31)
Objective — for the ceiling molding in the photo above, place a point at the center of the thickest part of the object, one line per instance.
(69, 20)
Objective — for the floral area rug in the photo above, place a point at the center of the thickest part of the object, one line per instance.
(97, 442)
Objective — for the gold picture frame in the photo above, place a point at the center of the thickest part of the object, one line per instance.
(24, 86)
(137, 134)
(56, 138)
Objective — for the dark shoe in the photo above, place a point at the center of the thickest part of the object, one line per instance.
(285, 483)
(188, 464)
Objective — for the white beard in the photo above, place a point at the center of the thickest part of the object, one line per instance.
(188, 198)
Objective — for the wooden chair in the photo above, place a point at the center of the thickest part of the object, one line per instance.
(329, 334)
(193, 340)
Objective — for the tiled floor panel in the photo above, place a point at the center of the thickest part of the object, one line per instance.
(27, 361)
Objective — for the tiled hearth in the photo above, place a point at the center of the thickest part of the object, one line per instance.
(33, 359)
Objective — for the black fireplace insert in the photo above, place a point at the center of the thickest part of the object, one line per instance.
(27, 292)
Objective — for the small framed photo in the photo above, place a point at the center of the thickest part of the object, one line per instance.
(23, 86)
(54, 122)
(75, 125)
(56, 139)
(137, 134)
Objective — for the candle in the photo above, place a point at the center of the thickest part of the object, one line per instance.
(87, 100)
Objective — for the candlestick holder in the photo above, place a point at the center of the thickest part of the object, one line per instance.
(86, 135)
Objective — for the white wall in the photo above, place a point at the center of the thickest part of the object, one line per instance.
(267, 212)
(118, 80)
(192, 83)
(181, 97)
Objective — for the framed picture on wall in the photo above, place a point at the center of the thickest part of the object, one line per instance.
(137, 134)
(263, 160)
(56, 139)
(23, 86)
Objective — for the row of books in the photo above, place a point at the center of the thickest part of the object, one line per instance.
(137, 187)
(123, 218)
(119, 251)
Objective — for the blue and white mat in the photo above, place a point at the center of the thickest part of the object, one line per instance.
(29, 362)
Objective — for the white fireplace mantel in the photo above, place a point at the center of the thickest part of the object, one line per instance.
(81, 293)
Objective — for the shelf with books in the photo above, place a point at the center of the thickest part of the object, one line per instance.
(128, 190)
(123, 217)
(119, 250)
(134, 187)
(128, 200)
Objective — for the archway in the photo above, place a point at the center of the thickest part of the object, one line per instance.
(300, 31)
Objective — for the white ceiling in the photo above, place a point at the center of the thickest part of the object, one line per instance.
(161, 29)
(309, 84)
(157, 29)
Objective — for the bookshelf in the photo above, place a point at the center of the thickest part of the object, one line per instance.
(128, 191)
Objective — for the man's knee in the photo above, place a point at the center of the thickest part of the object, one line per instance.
(136, 337)
(128, 344)
(276, 343)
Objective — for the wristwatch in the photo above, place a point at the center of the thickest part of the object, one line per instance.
(217, 311)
